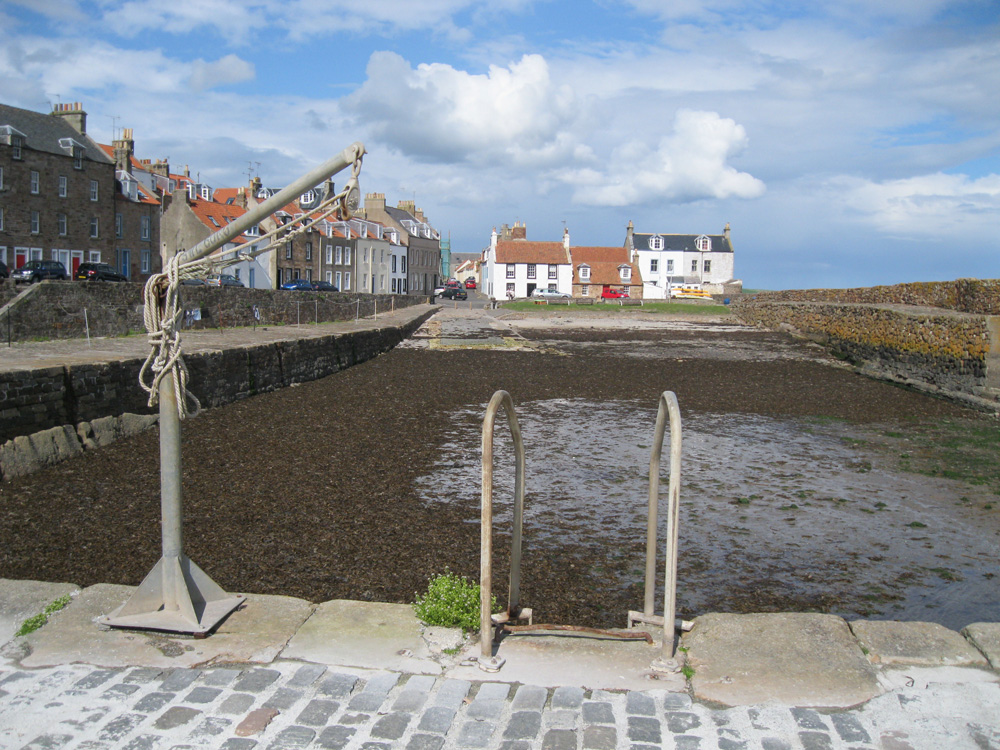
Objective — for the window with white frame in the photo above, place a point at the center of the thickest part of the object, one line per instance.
(63, 186)
(95, 227)
(626, 273)
(347, 255)
(36, 223)
(77, 157)
(703, 243)
(288, 250)
(309, 250)
(329, 256)
(62, 225)
(656, 242)
(339, 256)
(347, 281)
(15, 147)
(552, 272)
(654, 265)
(340, 280)
(670, 265)
(329, 277)
(119, 226)
(145, 258)
(35, 183)
(584, 272)
(402, 268)
(585, 290)
(531, 270)
(145, 225)
(694, 266)
(510, 271)
(707, 265)
(95, 189)
(93, 256)
(510, 290)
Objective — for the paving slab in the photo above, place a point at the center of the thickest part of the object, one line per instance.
(986, 637)
(365, 635)
(563, 660)
(915, 643)
(20, 600)
(255, 633)
(791, 659)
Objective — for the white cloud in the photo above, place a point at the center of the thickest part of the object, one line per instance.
(232, 19)
(225, 70)
(688, 164)
(934, 205)
(438, 113)
(61, 10)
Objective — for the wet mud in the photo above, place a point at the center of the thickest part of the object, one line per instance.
(795, 493)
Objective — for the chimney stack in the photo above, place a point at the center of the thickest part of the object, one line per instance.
(122, 151)
(74, 115)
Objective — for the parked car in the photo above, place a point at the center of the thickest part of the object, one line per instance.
(454, 292)
(194, 282)
(37, 270)
(470, 283)
(614, 294)
(298, 285)
(550, 293)
(4, 271)
(98, 272)
(223, 279)
(324, 286)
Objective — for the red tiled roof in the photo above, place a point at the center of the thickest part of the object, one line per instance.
(524, 251)
(605, 263)
(223, 213)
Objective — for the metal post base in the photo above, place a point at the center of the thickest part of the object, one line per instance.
(492, 664)
(665, 665)
(178, 597)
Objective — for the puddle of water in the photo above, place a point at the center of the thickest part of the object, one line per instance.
(776, 514)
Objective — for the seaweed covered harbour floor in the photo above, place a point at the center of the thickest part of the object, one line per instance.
(364, 484)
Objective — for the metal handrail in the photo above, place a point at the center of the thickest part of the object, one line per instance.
(667, 408)
(487, 661)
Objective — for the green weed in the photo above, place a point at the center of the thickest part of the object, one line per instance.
(451, 601)
(34, 623)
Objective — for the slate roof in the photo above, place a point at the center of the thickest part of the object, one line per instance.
(526, 251)
(682, 242)
(44, 131)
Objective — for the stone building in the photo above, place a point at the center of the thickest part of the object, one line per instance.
(57, 189)
(422, 241)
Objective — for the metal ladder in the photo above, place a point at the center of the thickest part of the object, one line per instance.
(491, 624)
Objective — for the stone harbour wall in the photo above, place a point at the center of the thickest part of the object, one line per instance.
(67, 309)
(49, 414)
(977, 296)
(947, 351)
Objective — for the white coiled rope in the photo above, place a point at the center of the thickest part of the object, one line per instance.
(164, 336)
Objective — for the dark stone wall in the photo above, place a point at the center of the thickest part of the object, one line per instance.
(64, 309)
(36, 400)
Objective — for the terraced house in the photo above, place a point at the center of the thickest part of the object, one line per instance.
(57, 189)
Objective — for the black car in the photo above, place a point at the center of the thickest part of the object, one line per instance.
(97, 272)
(454, 292)
(36, 270)
(4, 271)
(324, 286)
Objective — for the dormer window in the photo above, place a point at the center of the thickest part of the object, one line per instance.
(656, 242)
(584, 272)
(625, 272)
(14, 138)
(253, 231)
(214, 222)
(703, 244)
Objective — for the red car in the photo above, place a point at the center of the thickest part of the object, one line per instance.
(613, 293)
(470, 283)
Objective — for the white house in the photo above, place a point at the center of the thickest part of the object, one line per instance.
(671, 260)
(513, 266)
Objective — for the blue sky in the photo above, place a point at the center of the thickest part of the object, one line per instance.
(848, 143)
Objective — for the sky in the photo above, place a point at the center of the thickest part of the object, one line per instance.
(847, 143)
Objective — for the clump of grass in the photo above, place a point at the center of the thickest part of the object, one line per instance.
(34, 623)
(451, 601)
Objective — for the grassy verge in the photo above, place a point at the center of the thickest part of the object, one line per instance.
(606, 308)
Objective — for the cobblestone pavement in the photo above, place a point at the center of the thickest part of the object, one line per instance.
(289, 705)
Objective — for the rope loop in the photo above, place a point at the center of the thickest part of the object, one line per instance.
(163, 332)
